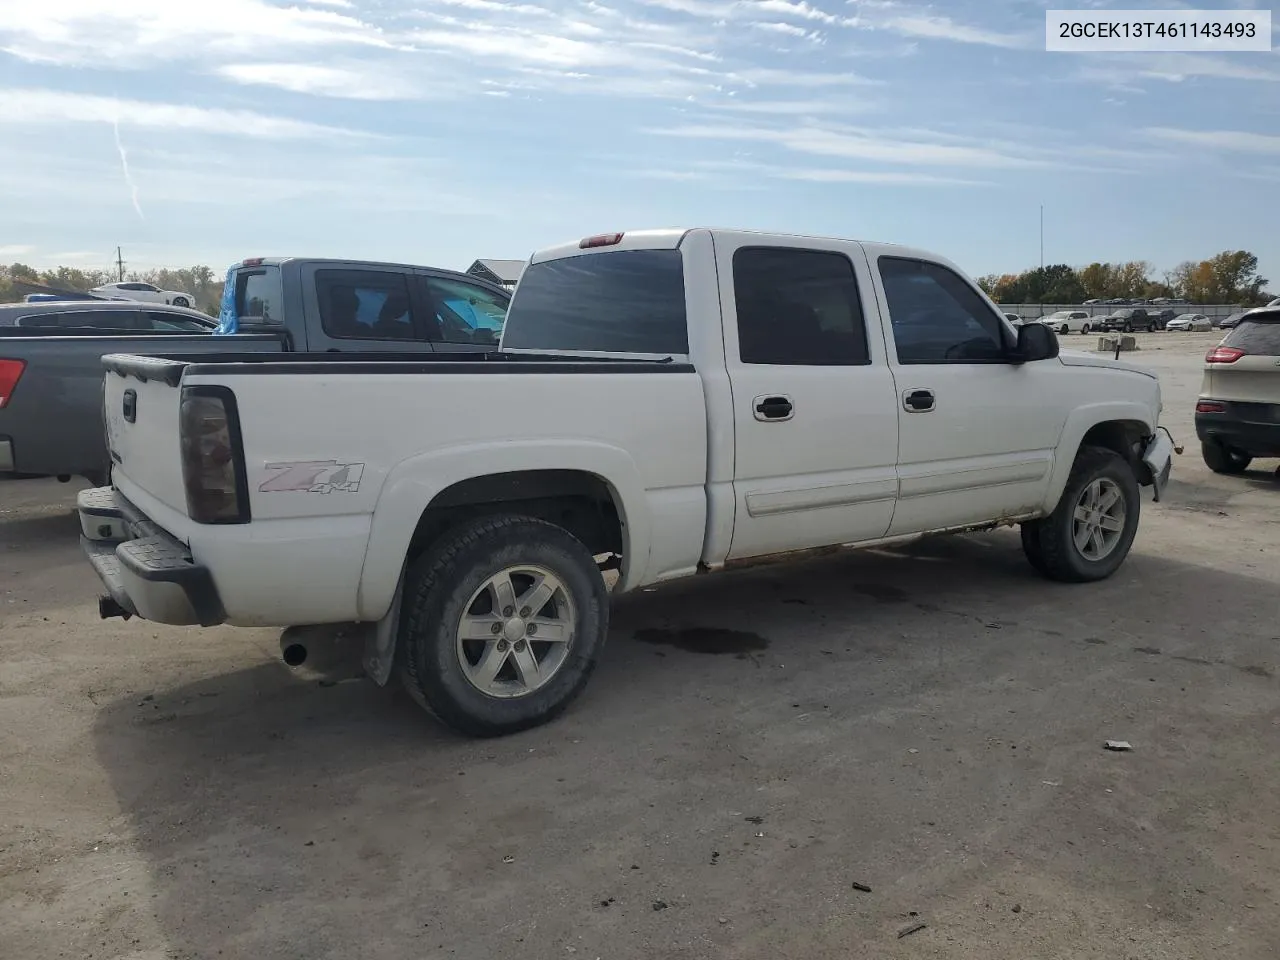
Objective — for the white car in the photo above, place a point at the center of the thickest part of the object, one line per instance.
(146, 292)
(1068, 321)
(779, 394)
(1190, 321)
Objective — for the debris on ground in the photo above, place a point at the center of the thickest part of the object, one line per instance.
(911, 928)
(724, 919)
(754, 819)
(508, 859)
(1017, 908)
(1119, 746)
(860, 886)
(659, 905)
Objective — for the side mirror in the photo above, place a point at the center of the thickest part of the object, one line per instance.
(1036, 341)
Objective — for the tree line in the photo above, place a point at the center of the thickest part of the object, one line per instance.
(1229, 277)
(204, 285)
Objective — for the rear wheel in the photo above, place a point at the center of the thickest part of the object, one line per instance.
(181, 302)
(1084, 329)
(504, 621)
(1222, 459)
(1091, 530)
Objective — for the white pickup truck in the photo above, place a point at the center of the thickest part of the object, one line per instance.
(663, 403)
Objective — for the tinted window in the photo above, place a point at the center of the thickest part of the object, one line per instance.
(258, 295)
(365, 305)
(1256, 337)
(162, 322)
(936, 316)
(466, 313)
(797, 307)
(129, 320)
(627, 301)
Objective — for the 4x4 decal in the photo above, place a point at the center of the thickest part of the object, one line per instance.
(312, 476)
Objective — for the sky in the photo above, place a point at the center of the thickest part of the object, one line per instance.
(442, 131)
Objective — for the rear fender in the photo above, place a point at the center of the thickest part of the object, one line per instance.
(413, 484)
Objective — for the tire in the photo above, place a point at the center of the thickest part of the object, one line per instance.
(1128, 328)
(454, 579)
(181, 302)
(1101, 471)
(1064, 331)
(1031, 546)
(1084, 330)
(1151, 328)
(1222, 459)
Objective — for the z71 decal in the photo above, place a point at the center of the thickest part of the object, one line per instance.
(313, 476)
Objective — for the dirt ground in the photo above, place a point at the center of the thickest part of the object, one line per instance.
(926, 721)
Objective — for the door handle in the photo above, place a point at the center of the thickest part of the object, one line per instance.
(773, 408)
(917, 400)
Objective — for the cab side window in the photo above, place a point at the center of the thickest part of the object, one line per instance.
(938, 318)
(464, 312)
(798, 307)
(365, 305)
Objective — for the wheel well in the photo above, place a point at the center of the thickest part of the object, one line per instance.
(1125, 438)
(582, 503)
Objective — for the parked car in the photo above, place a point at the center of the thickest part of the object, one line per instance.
(1190, 321)
(1238, 412)
(144, 293)
(1226, 323)
(51, 418)
(1069, 321)
(1014, 318)
(1127, 320)
(663, 403)
(1274, 303)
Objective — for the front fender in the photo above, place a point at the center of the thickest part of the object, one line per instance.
(1081, 421)
(414, 483)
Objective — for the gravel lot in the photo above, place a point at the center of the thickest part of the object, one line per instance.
(926, 721)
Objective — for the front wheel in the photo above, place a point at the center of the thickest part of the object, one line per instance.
(1089, 533)
(1222, 459)
(504, 621)
(1064, 331)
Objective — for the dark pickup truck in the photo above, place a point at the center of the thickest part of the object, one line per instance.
(51, 352)
(1130, 319)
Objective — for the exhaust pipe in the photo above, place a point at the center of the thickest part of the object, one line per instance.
(293, 653)
(108, 608)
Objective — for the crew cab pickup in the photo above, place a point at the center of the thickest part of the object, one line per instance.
(664, 403)
(51, 353)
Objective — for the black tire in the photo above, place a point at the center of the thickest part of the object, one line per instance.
(1062, 559)
(1064, 331)
(181, 302)
(1128, 328)
(438, 587)
(1031, 545)
(1084, 330)
(1222, 459)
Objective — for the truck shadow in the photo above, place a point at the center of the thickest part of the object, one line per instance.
(279, 816)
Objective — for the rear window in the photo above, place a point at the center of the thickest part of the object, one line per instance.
(1256, 336)
(627, 301)
(258, 295)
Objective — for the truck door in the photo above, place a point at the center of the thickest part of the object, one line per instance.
(977, 431)
(814, 411)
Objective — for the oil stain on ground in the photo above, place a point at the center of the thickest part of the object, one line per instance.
(704, 639)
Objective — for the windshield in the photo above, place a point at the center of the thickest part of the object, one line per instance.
(625, 301)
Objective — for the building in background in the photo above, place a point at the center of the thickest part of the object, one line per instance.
(505, 272)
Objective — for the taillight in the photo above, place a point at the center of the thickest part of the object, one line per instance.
(1223, 355)
(252, 262)
(10, 374)
(1210, 406)
(213, 456)
(601, 240)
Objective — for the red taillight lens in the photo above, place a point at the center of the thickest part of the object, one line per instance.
(252, 262)
(1223, 355)
(10, 374)
(601, 240)
(213, 456)
(1210, 406)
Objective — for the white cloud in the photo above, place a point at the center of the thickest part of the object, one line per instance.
(944, 28)
(15, 249)
(794, 8)
(858, 145)
(40, 107)
(786, 29)
(355, 82)
(1231, 141)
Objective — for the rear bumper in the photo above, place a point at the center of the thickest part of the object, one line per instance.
(146, 571)
(1254, 431)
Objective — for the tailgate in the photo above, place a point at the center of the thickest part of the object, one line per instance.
(141, 401)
